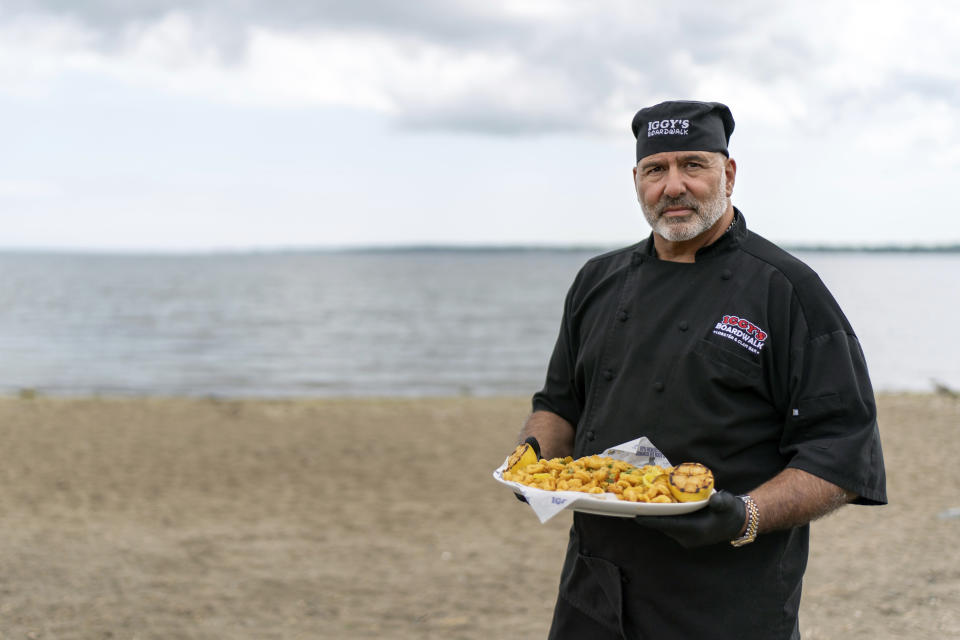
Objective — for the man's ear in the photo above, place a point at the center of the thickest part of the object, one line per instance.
(730, 168)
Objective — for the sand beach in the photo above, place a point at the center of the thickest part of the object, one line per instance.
(203, 518)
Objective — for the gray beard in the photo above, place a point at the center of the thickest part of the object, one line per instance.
(705, 214)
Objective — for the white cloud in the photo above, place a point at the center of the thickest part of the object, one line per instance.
(517, 67)
(35, 50)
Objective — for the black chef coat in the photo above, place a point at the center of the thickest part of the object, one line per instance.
(741, 360)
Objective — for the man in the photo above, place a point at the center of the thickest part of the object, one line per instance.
(722, 349)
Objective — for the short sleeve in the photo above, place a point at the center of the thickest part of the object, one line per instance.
(559, 394)
(831, 428)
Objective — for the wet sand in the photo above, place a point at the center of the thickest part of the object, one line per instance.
(378, 518)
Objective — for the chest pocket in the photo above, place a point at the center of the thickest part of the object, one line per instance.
(727, 366)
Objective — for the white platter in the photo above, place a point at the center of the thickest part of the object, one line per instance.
(627, 509)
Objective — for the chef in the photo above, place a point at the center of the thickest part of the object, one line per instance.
(722, 349)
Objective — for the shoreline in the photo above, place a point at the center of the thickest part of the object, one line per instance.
(30, 393)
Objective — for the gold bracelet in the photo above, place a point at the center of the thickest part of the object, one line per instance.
(753, 523)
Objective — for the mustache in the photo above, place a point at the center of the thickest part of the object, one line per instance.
(687, 202)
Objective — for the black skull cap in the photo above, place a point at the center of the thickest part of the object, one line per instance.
(682, 125)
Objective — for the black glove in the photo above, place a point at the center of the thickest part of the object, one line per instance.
(720, 521)
(536, 449)
(533, 443)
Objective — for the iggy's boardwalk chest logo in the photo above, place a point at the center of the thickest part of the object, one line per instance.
(741, 331)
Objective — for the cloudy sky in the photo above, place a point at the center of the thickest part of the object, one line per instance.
(233, 124)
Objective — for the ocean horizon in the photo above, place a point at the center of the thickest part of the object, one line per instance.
(952, 247)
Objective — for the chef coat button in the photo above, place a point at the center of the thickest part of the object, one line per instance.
(636, 259)
(726, 274)
(608, 374)
(658, 386)
(585, 552)
(683, 325)
(622, 316)
(591, 436)
(624, 579)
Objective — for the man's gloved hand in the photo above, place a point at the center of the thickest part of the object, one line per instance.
(721, 520)
(535, 444)
(536, 449)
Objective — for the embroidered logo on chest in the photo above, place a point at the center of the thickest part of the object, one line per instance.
(742, 332)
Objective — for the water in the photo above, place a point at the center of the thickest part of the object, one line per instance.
(902, 306)
(381, 323)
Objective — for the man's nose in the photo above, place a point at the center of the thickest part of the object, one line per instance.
(674, 186)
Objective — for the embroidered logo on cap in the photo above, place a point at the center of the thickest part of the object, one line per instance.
(741, 331)
(668, 127)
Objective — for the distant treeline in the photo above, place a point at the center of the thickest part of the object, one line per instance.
(794, 248)
(887, 248)
(455, 248)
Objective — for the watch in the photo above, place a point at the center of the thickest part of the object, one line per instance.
(753, 523)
